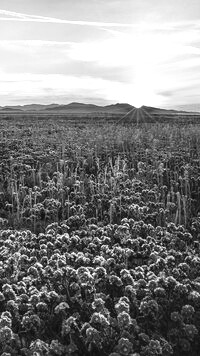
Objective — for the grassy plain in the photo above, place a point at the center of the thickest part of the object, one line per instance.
(100, 236)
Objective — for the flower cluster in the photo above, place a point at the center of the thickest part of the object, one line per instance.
(99, 241)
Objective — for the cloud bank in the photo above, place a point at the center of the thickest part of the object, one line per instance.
(141, 62)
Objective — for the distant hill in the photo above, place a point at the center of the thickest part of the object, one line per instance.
(74, 107)
(81, 108)
(158, 111)
(8, 108)
(37, 107)
(119, 108)
(91, 108)
(31, 107)
(189, 107)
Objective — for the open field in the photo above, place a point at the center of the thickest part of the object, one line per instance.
(100, 237)
(76, 113)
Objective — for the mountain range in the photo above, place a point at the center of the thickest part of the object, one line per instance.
(81, 108)
(70, 108)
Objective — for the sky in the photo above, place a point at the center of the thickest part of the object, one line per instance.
(141, 52)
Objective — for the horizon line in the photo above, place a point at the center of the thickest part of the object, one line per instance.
(176, 108)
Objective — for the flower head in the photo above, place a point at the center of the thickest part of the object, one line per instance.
(123, 319)
(68, 325)
(124, 346)
(115, 281)
(92, 335)
(122, 306)
(98, 303)
(5, 334)
(71, 348)
(190, 331)
(185, 345)
(175, 316)
(57, 347)
(61, 307)
(187, 311)
(42, 307)
(167, 349)
(99, 319)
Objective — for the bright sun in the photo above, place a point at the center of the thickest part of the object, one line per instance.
(144, 56)
(139, 55)
(138, 103)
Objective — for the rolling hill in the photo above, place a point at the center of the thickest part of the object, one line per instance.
(91, 108)
(73, 108)
(81, 108)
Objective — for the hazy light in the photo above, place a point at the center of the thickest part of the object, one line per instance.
(150, 63)
(138, 106)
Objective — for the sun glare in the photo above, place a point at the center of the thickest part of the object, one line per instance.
(138, 102)
(130, 67)
(146, 53)
(139, 53)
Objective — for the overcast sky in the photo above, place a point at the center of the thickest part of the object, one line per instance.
(144, 52)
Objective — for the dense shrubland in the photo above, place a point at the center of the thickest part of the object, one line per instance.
(99, 239)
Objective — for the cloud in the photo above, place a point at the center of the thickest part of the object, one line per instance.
(33, 43)
(152, 64)
(143, 25)
(41, 87)
(16, 16)
(166, 93)
(158, 63)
